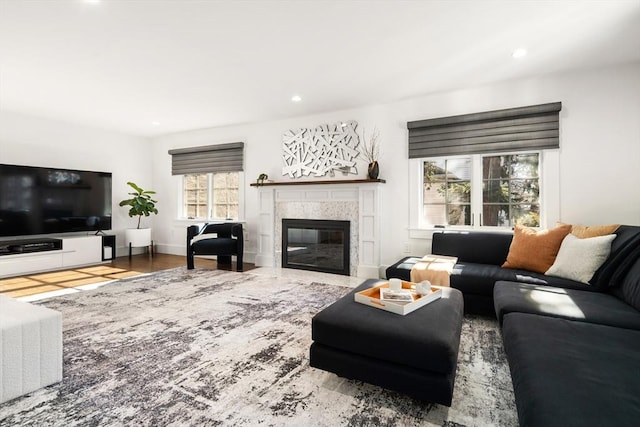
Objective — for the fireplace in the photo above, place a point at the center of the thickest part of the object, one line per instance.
(317, 245)
(355, 201)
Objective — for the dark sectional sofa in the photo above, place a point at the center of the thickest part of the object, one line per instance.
(573, 349)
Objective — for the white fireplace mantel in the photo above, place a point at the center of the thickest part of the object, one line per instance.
(357, 201)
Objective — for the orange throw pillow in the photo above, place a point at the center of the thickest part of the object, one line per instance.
(535, 250)
(586, 231)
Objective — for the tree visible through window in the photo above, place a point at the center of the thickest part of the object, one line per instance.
(511, 190)
(506, 188)
(447, 192)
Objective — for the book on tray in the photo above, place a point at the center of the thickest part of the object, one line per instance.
(401, 296)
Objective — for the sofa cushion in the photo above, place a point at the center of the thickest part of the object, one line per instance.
(475, 247)
(402, 268)
(568, 373)
(479, 279)
(578, 259)
(535, 250)
(626, 241)
(591, 307)
(586, 231)
(219, 246)
(627, 285)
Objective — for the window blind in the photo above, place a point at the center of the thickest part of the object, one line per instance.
(210, 158)
(514, 129)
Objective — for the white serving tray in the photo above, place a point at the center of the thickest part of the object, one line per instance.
(371, 297)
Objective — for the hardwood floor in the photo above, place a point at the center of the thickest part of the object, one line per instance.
(34, 284)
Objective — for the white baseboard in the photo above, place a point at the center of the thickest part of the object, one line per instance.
(368, 271)
(179, 250)
(264, 261)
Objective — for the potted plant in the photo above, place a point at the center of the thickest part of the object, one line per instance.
(370, 151)
(140, 204)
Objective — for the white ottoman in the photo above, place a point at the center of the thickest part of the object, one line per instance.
(30, 347)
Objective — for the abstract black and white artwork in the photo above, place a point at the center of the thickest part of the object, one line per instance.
(320, 150)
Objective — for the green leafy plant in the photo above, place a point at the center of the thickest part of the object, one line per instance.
(141, 203)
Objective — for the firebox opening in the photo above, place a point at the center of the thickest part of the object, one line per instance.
(317, 245)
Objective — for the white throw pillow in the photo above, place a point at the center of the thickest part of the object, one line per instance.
(578, 259)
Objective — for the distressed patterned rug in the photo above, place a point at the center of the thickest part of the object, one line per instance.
(220, 348)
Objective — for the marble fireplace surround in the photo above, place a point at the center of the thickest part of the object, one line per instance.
(356, 201)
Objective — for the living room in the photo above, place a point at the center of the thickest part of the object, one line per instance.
(592, 66)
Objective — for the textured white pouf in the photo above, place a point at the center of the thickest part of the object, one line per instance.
(30, 347)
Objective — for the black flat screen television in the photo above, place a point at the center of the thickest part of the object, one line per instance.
(37, 200)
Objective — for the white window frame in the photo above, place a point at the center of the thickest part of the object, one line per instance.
(472, 196)
(549, 177)
(209, 218)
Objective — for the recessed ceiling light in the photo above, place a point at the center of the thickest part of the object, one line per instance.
(519, 53)
(296, 98)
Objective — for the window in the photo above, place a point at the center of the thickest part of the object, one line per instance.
(212, 180)
(211, 195)
(511, 190)
(447, 191)
(485, 190)
(456, 179)
(196, 201)
(225, 195)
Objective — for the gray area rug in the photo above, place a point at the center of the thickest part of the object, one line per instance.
(220, 348)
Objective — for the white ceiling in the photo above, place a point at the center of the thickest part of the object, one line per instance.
(189, 64)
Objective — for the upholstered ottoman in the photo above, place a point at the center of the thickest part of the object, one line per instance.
(30, 347)
(415, 354)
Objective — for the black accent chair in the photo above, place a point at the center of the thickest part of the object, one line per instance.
(228, 241)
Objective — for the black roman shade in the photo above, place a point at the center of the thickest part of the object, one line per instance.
(210, 158)
(535, 127)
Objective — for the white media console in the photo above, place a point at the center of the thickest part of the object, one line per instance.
(76, 251)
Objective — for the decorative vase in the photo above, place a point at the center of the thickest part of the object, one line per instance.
(373, 170)
(137, 237)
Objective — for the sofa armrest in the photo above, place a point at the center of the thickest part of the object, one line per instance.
(236, 230)
(192, 231)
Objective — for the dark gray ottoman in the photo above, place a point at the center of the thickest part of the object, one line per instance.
(414, 354)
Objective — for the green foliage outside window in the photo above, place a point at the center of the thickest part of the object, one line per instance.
(447, 192)
(510, 190)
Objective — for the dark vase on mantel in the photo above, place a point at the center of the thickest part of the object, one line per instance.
(373, 170)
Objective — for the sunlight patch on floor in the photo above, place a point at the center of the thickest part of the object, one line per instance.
(124, 274)
(61, 276)
(46, 285)
(101, 270)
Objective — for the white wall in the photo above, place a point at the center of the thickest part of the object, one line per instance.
(599, 158)
(32, 141)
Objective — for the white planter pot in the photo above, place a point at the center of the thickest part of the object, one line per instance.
(137, 237)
